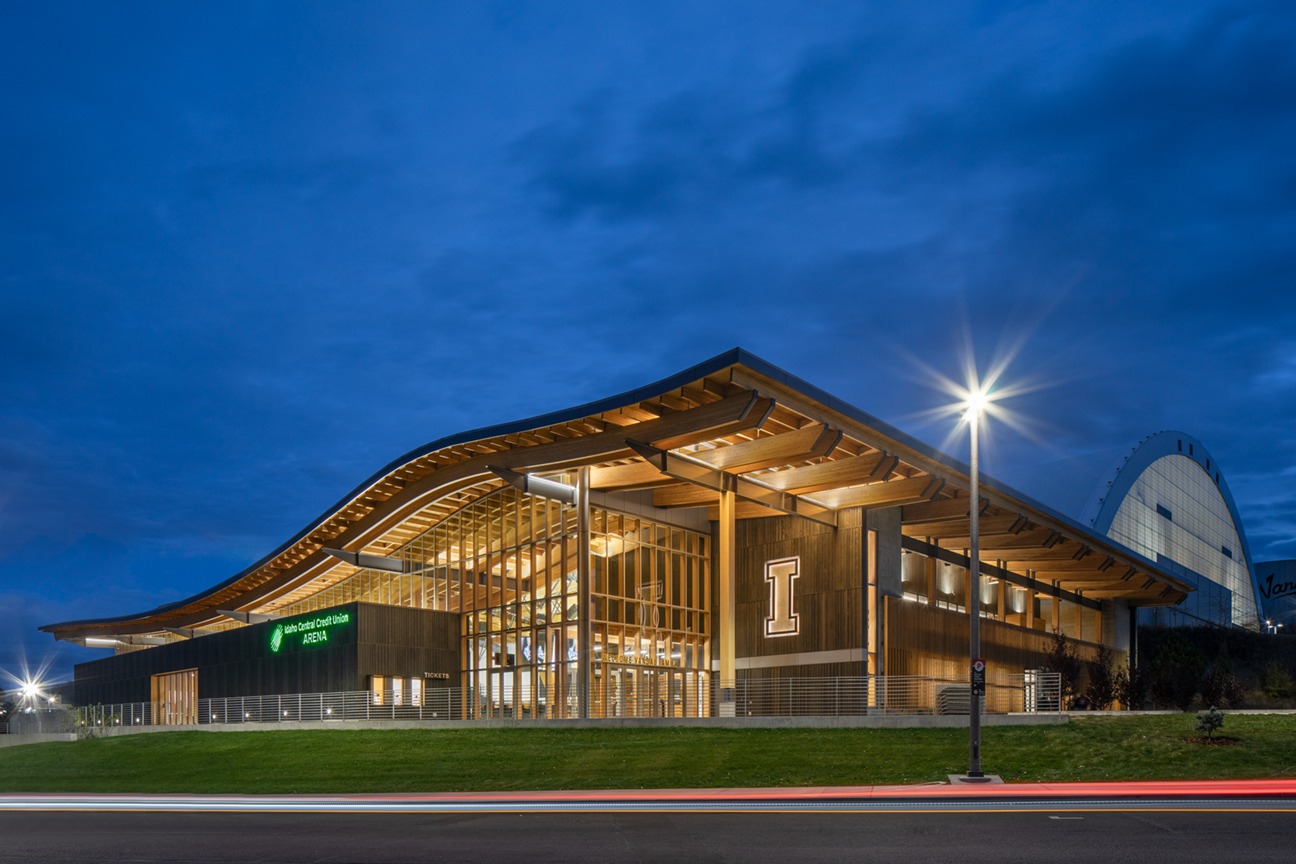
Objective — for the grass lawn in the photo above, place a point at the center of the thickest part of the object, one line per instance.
(526, 758)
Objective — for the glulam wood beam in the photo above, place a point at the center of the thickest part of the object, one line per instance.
(812, 442)
(890, 494)
(718, 481)
(851, 471)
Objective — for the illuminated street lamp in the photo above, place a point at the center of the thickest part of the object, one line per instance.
(29, 690)
(976, 403)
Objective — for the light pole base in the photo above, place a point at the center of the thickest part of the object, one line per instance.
(969, 779)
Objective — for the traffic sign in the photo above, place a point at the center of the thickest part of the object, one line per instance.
(978, 676)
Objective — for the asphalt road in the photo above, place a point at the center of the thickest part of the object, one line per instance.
(896, 833)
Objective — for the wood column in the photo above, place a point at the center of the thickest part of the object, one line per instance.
(585, 648)
(727, 601)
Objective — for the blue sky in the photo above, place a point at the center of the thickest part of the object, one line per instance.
(253, 251)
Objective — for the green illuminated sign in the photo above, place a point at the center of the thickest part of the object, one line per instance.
(308, 631)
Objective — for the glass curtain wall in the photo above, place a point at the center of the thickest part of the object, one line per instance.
(651, 592)
(507, 564)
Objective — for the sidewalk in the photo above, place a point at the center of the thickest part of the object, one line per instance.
(1135, 789)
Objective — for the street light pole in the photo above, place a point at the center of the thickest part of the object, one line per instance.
(974, 601)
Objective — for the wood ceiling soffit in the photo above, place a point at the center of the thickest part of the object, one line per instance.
(745, 510)
(1061, 552)
(1089, 580)
(1073, 568)
(933, 511)
(809, 443)
(706, 476)
(303, 573)
(890, 494)
(675, 403)
(683, 495)
(634, 475)
(838, 473)
(1114, 594)
(1024, 545)
(781, 420)
(718, 387)
(991, 527)
(794, 400)
(698, 395)
(639, 414)
(616, 418)
(848, 446)
(753, 416)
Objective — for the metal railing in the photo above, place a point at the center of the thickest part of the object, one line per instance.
(1033, 692)
(39, 721)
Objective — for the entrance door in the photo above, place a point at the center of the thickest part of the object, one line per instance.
(175, 698)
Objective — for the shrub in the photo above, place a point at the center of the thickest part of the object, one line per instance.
(1276, 681)
(1221, 687)
(1210, 720)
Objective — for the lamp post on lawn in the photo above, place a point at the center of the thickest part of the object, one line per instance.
(976, 403)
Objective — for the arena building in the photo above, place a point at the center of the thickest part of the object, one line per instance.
(1167, 499)
(640, 556)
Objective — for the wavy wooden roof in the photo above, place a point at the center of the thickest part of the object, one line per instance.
(782, 444)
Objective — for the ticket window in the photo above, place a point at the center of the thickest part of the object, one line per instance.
(392, 690)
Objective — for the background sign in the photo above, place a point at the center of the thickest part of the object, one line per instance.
(307, 632)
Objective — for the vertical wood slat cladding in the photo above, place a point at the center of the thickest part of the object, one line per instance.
(405, 643)
(927, 640)
(828, 592)
(240, 662)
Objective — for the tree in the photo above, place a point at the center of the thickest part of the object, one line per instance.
(1062, 659)
(1221, 686)
(1101, 689)
(1177, 669)
(1131, 688)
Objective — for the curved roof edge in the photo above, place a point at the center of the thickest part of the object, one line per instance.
(733, 357)
(1103, 504)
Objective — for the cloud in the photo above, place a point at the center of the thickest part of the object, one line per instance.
(698, 148)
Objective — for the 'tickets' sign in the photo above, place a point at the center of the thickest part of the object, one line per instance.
(307, 632)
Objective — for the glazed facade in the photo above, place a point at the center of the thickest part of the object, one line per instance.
(508, 565)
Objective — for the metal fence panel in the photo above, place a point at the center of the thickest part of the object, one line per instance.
(1032, 692)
